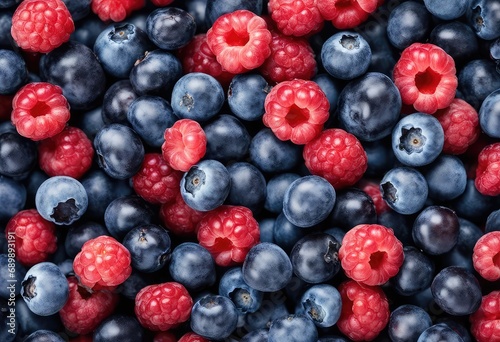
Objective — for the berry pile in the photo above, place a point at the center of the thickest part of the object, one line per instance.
(250, 170)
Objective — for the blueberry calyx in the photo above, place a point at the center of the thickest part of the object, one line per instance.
(187, 101)
(241, 297)
(29, 288)
(195, 179)
(412, 140)
(478, 19)
(315, 312)
(389, 192)
(349, 42)
(65, 212)
(121, 33)
(331, 254)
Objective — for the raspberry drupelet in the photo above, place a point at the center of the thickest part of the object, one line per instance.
(115, 10)
(39, 111)
(296, 110)
(179, 218)
(488, 170)
(296, 18)
(486, 256)
(484, 322)
(192, 337)
(345, 14)
(372, 189)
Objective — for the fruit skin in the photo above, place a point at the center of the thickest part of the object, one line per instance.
(246, 96)
(18, 155)
(487, 179)
(293, 328)
(407, 322)
(457, 39)
(233, 286)
(322, 303)
(476, 80)
(115, 10)
(207, 320)
(120, 328)
(415, 274)
(452, 10)
(446, 178)
(345, 15)
(484, 256)
(483, 321)
(179, 218)
(276, 187)
(439, 332)
(489, 116)
(14, 73)
(125, 212)
(296, 18)
(116, 102)
(483, 17)
(352, 207)
(44, 335)
(170, 28)
(408, 23)
(248, 186)
(14, 194)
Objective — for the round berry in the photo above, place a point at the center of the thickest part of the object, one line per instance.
(488, 170)
(296, 18)
(486, 256)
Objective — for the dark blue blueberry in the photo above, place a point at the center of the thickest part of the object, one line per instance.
(119, 327)
(293, 328)
(126, 212)
(447, 10)
(332, 338)
(206, 185)
(192, 266)
(495, 50)
(156, 73)
(266, 227)
(248, 186)
(415, 274)
(275, 192)
(197, 96)
(78, 9)
(10, 325)
(12, 273)
(245, 298)
(119, 151)
(44, 336)
(404, 189)
(45, 289)
(315, 258)
(13, 195)
(260, 335)
(380, 157)
(150, 116)
(322, 303)
(227, 139)
(66, 266)
(436, 229)
(149, 247)
(337, 233)
(346, 55)
(5, 26)
(492, 221)
(61, 199)
(369, 106)
(88, 29)
(286, 234)
(457, 39)
(246, 96)
(472, 205)
(116, 102)
(133, 284)
(331, 87)
(216, 8)
(489, 115)
(9, 3)
(484, 17)
(13, 72)
(352, 207)
(407, 322)
(446, 178)
(400, 224)
(272, 155)
(461, 254)
(30, 322)
(18, 155)
(477, 80)
(91, 122)
(272, 307)
(214, 317)
(170, 28)
(75, 68)
(456, 326)
(408, 23)
(267, 267)
(197, 8)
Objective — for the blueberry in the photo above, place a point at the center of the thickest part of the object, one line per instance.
(472, 205)
(206, 185)
(119, 151)
(61, 199)
(9, 3)
(407, 322)
(214, 317)
(457, 39)
(133, 284)
(170, 28)
(492, 222)
(293, 328)
(331, 87)
(30, 322)
(477, 79)
(80, 233)
(216, 8)
(448, 10)
(248, 186)
(126, 212)
(266, 226)
(275, 191)
(13, 194)
(261, 335)
(44, 336)
(401, 225)
(436, 229)
(352, 207)
(267, 267)
(380, 157)
(484, 17)
(272, 307)
(197, 8)
(415, 274)
(232, 286)
(408, 23)
(78, 9)
(45, 289)
(346, 55)
(91, 122)
(286, 234)
(18, 155)
(119, 327)
(446, 178)
(246, 96)
(116, 102)
(489, 115)
(87, 30)
(13, 72)
(9, 281)
(322, 303)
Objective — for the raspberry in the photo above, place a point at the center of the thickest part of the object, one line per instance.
(185, 144)
(345, 14)
(365, 311)
(486, 256)
(372, 189)
(68, 153)
(102, 263)
(296, 110)
(35, 237)
(240, 41)
(160, 307)
(161, 3)
(85, 310)
(179, 218)
(296, 18)
(156, 181)
(426, 77)
(164, 336)
(484, 322)
(460, 123)
(290, 58)
(337, 156)
(371, 254)
(41, 25)
(192, 337)
(39, 110)
(488, 170)
(115, 10)
(228, 233)
(82, 338)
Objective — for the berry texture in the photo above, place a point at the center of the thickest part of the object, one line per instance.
(347, 14)
(486, 254)
(296, 18)
(488, 170)
(115, 10)
(484, 322)
(41, 25)
(179, 218)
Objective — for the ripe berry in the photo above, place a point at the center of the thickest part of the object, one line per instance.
(179, 218)
(486, 256)
(240, 41)
(426, 77)
(161, 3)
(35, 237)
(337, 156)
(372, 189)
(68, 153)
(228, 233)
(102, 263)
(296, 18)
(41, 25)
(115, 10)
(346, 14)
(484, 322)
(488, 170)
(296, 110)
(192, 337)
(164, 336)
(160, 307)
(39, 110)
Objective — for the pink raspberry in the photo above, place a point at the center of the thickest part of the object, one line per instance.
(179, 218)
(372, 189)
(486, 256)
(296, 18)
(164, 336)
(192, 337)
(488, 170)
(345, 14)
(484, 322)
(115, 10)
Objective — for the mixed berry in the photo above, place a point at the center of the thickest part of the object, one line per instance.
(250, 170)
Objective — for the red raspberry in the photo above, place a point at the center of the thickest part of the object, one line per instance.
(345, 14)
(290, 58)
(161, 3)
(296, 18)
(68, 153)
(192, 337)
(337, 156)
(179, 218)
(228, 233)
(41, 25)
(488, 170)
(185, 144)
(115, 10)
(484, 322)
(160, 307)
(156, 181)
(426, 77)
(371, 254)
(365, 311)
(460, 123)
(486, 256)
(35, 237)
(85, 310)
(82, 338)
(103, 263)
(240, 41)
(5, 106)
(296, 110)
(164, 336)
(196, 56)
(39, 110)
(372, 189)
